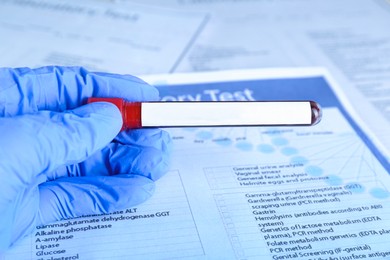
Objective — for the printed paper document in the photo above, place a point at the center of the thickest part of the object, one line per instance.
(350, 38)
(131, 39)
(247, 193)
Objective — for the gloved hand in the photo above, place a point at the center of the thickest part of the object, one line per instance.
(61, 159)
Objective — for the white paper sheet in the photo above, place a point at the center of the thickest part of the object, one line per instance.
(131, 39)
(265, 193)
(349, 38)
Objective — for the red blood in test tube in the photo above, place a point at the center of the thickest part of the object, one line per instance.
(131, 111)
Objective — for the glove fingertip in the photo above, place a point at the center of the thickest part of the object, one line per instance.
(105, 119)
(105, 109)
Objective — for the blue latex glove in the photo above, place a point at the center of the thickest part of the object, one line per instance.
(61, 159)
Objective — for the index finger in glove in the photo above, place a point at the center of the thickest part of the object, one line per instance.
(25, 90)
